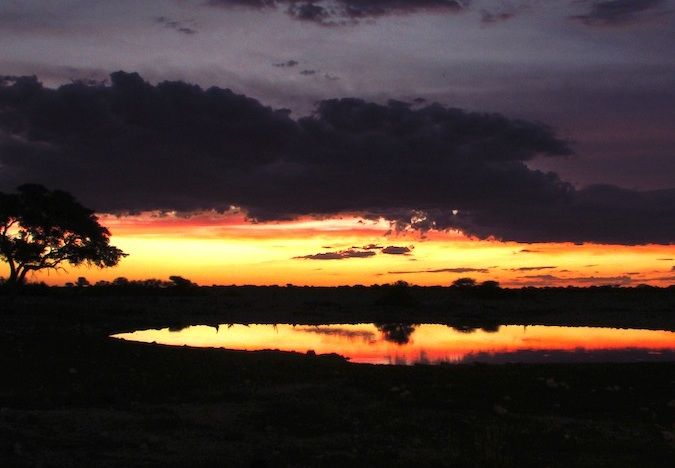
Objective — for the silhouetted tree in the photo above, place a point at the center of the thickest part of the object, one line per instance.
(180, 282)
(82, 282)
(464, 283)
(120, 281)
(42, 229)
(489, 284)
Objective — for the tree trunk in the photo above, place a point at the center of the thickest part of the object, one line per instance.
(21, 277)
(13, 276)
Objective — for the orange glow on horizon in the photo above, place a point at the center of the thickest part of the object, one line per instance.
(211, 248)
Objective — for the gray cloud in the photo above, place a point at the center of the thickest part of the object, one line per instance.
(183, 27)
(132, 146)
(286, 64)
(500, 11)
(618, 12)
(344, 12)
(488, 17)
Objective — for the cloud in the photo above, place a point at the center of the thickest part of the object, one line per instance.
(358, 252)
(602, 279)
(286, 64)
(132, 146)
(340, 255)
(543, 277)
(396, 250)
(580, 279)
(504, 10)
(364, 335)
(533, 268)
(183, 27)
(442, 270)
(370, 247)
(488, 17)
(344, 12)
(662, 278)
(308, 72)
(619, 12)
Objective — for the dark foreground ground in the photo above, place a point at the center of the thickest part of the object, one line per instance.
(70, 396)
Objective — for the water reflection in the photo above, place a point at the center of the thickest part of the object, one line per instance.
(406, 343)
(396, 332)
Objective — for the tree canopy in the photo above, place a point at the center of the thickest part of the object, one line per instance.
(44, 229)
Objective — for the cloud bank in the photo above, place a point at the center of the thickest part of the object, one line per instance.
(343, 12)
(132, 146)
(619, 12)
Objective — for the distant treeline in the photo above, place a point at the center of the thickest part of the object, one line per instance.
(400, 293)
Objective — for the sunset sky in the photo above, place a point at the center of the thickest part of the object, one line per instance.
(329, 142)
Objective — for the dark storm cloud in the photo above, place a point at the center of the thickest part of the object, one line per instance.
(343, 12)
(133, 146)
(341, 255)
(396, 250)
(178, 26)
(442, 270)
(618, 12)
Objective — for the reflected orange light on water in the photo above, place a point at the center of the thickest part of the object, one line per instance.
(366, 343)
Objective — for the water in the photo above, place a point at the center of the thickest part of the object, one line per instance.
(395, 343)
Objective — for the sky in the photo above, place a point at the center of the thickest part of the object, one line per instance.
(274, 141)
